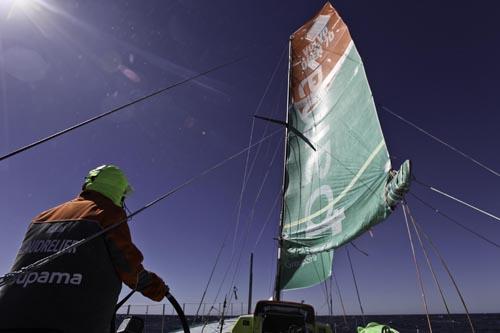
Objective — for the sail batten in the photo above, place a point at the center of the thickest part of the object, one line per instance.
(333, 194)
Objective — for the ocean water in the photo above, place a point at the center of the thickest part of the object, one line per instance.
(457, 323)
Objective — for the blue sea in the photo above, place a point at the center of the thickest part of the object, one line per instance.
(457, 323)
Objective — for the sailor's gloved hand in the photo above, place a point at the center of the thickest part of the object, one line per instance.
(151, 286)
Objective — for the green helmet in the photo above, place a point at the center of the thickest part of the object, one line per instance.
(376, 328)
(110, 181)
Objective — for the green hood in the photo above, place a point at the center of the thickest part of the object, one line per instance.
(376, 328)
(110, 181)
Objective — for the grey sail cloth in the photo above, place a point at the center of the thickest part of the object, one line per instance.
(75, 293)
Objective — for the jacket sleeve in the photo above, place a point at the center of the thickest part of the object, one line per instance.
(127, 260)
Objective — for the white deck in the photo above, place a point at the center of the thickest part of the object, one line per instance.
(212, 327)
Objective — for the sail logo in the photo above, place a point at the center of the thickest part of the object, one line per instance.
(308, 259)
(330, 220)
(318, 49)
(320, 37)
(63, 278)
(319, 164)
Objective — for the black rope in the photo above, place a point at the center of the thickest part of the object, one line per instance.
(449, 196)
(359, 250)
(102, 115)
(344, 315)
(417, 268)
(475, 233)
(125, 299)
(10, 277)
(356, 286)
(458, 151)
(431, 268)
(211, 275)
(248, 170)
(443, 262)
(268, 218)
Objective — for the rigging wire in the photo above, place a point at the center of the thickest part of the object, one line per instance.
(328, 297)
(325, 285)
(443, 262)
(9, 277)
(457, 200)
(268, 218)
(359, 250)
(107, 113)
(458, 151)
(245, 237)
(252, 214)
(431, 268)
(243, 186)
(356, 286)
(222, 282)
(475, 233)
(211, 274)
(419, 276)
(247, 172)
(344, 315)
(331, 294)
(246, 177)
(266, 128)
(249, 224)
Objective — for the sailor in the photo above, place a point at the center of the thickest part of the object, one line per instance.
(78, 291)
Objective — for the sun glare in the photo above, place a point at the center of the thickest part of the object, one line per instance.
(22, 4)
(26, 7)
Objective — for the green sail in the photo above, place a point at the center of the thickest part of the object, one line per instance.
(333, 194)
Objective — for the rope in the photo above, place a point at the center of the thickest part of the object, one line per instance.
(102, 115)
(278, 196)
(356, 286)
(245, 239)
(359, 250)
(443, 262)
(431, 268)
(10, 277)
(247, 172)
(344, 315)
(331, 294)
(457, 200)
(419, 276)
(247, 177)
(274, 110)
(211, 274)
(458, 151)
(455, 221)
(328, 297)
(465, 203)
(243, 186)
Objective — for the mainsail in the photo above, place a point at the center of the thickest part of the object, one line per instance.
(338, 191)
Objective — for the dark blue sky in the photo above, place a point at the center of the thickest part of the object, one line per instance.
(435, 63)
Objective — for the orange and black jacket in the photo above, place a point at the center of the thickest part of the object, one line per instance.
(78, 291)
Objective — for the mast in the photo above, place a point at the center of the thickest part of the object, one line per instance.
(250, 283)
(277, 286)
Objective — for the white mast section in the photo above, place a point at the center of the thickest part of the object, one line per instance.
(277, 286)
